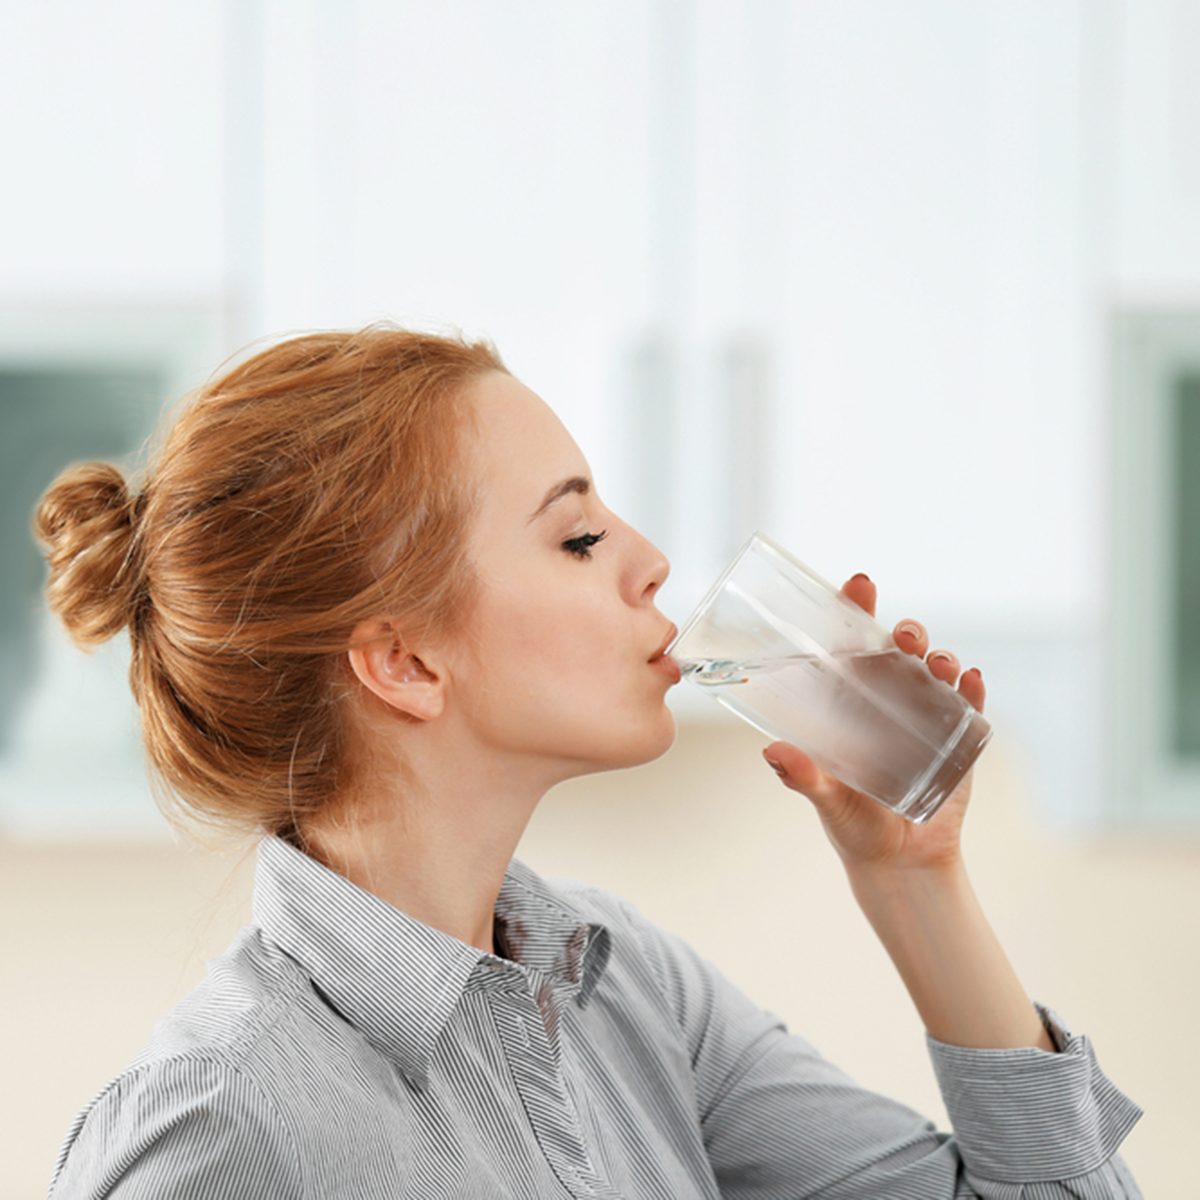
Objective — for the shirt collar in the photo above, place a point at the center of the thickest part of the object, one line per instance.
(398, 979)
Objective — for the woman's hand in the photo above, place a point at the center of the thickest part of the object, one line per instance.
(866, 834)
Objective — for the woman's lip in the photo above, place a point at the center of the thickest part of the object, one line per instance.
(668, 666)
(672, 634)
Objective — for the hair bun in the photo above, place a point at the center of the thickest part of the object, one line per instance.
(86, 521)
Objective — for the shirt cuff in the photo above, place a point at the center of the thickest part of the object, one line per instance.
(1026, 1115)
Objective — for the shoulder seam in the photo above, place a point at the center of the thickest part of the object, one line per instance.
(273, 1011)
(125, 1077)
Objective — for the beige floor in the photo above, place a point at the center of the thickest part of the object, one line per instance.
(100, 942)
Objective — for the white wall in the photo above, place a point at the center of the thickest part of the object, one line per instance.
(894, 197)
(113, 151)
(1154, 157)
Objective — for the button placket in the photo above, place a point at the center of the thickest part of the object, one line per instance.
(543, 1092)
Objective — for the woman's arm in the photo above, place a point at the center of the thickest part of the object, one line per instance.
(1033, 1114)
(782, 1122)
(912, 885)
(931, 924)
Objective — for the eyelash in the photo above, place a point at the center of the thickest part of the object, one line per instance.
(579, 546)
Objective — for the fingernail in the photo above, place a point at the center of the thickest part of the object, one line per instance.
(940, 655)
(774, 765)
(909, 628)
(860, 575)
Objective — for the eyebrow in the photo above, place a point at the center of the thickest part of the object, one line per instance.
(577, 483)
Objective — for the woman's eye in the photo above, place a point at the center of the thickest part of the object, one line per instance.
(579, 546)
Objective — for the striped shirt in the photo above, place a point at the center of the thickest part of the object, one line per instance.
(341, 1048)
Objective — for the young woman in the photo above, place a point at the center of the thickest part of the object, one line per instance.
(377, 609)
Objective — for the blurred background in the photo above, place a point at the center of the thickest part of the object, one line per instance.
(913, 286)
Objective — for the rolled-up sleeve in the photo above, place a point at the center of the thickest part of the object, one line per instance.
(179, 1129)
(781, 1122)
(1034, 1118)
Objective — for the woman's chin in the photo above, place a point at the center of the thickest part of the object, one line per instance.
(656, 737)
(649, 739)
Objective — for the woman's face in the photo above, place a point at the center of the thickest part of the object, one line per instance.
(558, 663)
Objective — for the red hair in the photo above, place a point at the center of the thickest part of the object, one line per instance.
(314, 485)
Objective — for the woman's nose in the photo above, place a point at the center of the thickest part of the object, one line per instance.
(659, 570)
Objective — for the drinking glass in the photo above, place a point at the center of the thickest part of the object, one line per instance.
(785, 650)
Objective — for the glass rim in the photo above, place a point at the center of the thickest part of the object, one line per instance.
(757, 535)
(775, 548)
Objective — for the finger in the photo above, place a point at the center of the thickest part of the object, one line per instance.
(799, 772)
(944, 666)
(972, 689)
(862, 591)
(912, 637)
(836, 804)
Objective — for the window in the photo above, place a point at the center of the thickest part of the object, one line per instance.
(74, 386)
(1184, 562)
(1153, 696)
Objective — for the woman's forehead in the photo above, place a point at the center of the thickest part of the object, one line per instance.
(521, 440)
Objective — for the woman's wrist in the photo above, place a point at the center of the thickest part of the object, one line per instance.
(960, 980)
(886, 875)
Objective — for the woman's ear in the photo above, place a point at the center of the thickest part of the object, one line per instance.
(404, 680)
